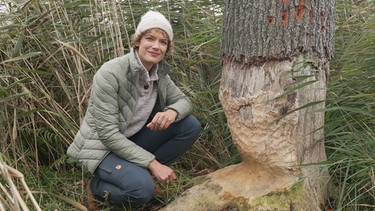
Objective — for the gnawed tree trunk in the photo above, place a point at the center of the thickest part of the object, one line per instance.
(275, 66)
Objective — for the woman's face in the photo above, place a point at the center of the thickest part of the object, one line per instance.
(152, 47)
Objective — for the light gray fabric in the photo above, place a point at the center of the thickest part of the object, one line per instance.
(113, 99)
(146, 99)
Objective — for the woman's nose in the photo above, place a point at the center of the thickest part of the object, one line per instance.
(155, 45)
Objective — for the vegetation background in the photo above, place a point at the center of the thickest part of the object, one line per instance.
(49, 51)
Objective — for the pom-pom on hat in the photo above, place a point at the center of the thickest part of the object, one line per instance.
(154, 19)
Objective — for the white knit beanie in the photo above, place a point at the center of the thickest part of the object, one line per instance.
(153, 19)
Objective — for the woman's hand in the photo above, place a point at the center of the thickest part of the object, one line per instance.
(162, 172)
(162, 120)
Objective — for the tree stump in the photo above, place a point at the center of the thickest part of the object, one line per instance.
(275, 57)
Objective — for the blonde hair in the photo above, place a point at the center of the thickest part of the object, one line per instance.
(136, 39)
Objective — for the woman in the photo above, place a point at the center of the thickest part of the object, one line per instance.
(137, 122)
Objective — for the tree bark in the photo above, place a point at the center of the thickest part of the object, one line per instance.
(275, 57)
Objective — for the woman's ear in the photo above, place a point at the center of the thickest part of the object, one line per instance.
(136, 44)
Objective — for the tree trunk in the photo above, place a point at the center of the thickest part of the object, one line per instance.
(275, 57)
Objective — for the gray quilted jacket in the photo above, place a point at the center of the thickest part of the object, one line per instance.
(111, 107)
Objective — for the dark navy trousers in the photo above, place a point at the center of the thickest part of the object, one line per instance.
(129, 184)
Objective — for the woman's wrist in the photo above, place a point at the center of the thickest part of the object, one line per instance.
(173, 112)
(152, 164)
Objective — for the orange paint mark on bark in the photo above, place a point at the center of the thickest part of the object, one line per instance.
(321, 17)
(286, 2)
(311, 15)
(271, 20)
(284, 17)
(300, 9)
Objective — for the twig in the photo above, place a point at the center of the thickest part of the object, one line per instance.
(9, 172)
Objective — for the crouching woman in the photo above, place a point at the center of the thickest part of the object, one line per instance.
(138, 121)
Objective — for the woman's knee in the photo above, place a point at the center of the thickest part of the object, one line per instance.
(139, 192)
(194, 124)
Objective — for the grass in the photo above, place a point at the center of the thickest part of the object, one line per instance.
(350, 109)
